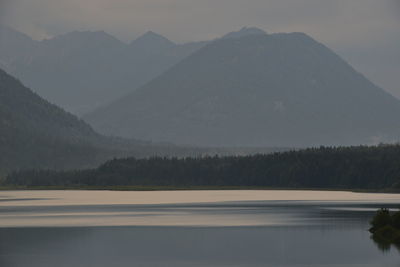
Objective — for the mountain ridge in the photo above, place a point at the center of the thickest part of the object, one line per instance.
(245, 31)
(215, 97)
(93, 65)
(151, 42)
(37, 134)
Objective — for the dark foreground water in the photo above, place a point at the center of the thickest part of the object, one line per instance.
(267, 232)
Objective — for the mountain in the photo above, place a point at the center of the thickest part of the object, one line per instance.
(151, 42)
(37, 134)
(72, 70)
(258, 90)
(245, 31)
(81, 71)
(144, 59)
(14, 45)
(84, 70)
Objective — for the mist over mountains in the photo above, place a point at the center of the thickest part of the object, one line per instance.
(35, 134)
(81, 71)
(247, 88)
(257, 90)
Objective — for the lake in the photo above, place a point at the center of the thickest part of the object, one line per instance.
(191, 228)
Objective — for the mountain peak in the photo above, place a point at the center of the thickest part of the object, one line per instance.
(151, 34)
(152, 41)
(245, 31)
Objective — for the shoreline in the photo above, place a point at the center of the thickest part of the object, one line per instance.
(184, 188)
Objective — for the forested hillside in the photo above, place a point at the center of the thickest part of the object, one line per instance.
(364, 168)
(37, 134)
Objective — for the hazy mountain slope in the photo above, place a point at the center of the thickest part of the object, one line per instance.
(35, 133)
(143, 60)
(81, 71)
(272, 90)
(15, 48)
(72, 70)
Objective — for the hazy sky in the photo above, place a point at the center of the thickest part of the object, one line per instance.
(365, 32)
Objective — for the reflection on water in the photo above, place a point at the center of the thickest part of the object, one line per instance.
(383, 244)
(191, 246)
(208, 228)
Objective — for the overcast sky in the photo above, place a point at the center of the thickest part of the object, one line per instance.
(365, 32)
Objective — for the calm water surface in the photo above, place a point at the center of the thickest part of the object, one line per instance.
(191, 228)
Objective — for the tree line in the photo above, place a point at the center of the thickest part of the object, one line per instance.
(361, 167)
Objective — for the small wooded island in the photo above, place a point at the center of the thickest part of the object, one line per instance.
(386, 228)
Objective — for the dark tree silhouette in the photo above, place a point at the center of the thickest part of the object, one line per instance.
(367, 168)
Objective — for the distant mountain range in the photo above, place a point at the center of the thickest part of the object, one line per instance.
(256, 90)
(247, 88)
(81, 71)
